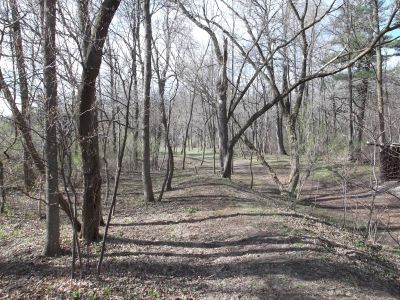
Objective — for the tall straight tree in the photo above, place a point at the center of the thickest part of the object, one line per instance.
(378, 72)
(146, 165)
(29, 175)
(88, 124)
(50, 85)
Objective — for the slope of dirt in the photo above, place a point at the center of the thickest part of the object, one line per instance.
(209, 239)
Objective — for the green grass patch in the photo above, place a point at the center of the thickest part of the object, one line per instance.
(192, 210)
(359, 244)
(153, 293)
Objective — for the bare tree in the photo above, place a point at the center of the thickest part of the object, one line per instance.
(50, 85)
(146, 164)
(88, 125)
(29, 175)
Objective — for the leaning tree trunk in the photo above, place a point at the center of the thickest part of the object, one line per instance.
(26, 134)
(50, 85)
(185, 139)
(88, 125)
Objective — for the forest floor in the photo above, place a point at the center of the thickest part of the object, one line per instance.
(210, 238)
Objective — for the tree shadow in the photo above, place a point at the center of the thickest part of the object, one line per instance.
(248, 241)
(199, 220)
(307, 269)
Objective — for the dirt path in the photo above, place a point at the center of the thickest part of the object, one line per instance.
(210, 239)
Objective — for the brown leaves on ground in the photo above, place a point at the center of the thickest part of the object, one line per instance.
(209, 239)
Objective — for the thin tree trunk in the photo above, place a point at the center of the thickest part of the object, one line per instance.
(185, 139)
(146, 164)
(135, 153)
(121, 153)
(351, 123)
(204, 144)
(2, 190)
(223, 130)
(379, 77)
(52, 247)
(251, 169)
(29, 175)
(362, 91)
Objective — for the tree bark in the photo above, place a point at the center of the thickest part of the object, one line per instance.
(2, 190)
(294, 155)
(51, 153)
(146, 163)
(136, 119)
(362, 91)
(88, 125)
(185, 139)
(223, 133)
(379, 77)
(279, 132)
(351, 122)
(29, 175)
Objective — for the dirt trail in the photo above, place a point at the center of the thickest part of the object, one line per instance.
(210, 239)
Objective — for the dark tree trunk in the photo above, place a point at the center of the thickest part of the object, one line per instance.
(222, 86)
(185, 139)
(2, 190)
(136, 48)
(146, 163)
(135, 154)
(279, 132)
(51, 153)
(351, 123)
(88, 125)
(294, 155)
(362, 91)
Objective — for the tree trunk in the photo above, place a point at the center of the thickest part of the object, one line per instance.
(362, 91)
(2, 190)
(88, 125)
(136, 48)
(50, 85)
(29, 175)
(146, 164)
(185, 139)
(378, 70)
(279, 132)
(225, 157)
(351, 124)
(26, 134)
(294, 155)
(135, 153)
